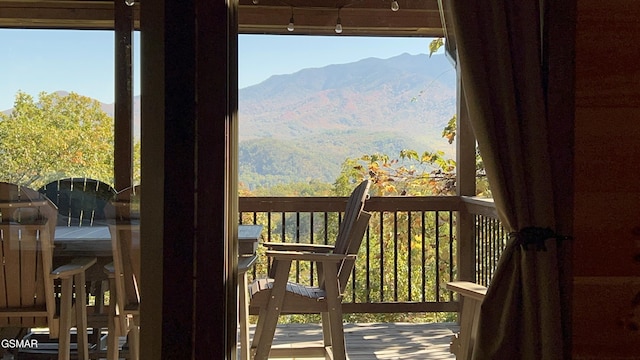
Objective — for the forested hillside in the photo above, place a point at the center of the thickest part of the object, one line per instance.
(302, 126)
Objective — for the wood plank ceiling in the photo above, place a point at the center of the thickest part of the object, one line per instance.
(311, 17)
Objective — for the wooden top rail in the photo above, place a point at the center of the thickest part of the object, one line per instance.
(337, 204)
(468, 289)
(480, 206)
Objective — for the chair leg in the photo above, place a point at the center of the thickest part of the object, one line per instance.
(269, 317)
(258, 330)
(326, 329)
(99, 288)
(64, 335)
(267, 324)
(338, 345)
(81, 317)
(134, 340)
(112, 326)
(334, 314)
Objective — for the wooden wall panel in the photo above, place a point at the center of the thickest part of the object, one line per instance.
(607, 68)
(607, 178)
(603, 304)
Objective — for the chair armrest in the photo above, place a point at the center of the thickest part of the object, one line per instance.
(468, 289)
(297, 247)
(75, 267)
(308, 256)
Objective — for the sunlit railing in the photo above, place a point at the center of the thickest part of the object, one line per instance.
(490, 238)
(407, 255)
(409, 251)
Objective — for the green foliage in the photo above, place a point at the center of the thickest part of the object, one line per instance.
(449, 131)
(269, 162)
(435, 45)
(57, 137)
(295, 189)
(411, 173)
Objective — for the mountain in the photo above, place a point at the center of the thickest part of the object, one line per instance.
(304, 125)
(395, 94)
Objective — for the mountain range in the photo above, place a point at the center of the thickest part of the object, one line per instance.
(302, 126)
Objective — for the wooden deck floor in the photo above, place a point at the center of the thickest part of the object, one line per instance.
(366, 341)
(378, 341)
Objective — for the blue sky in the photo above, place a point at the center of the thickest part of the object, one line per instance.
(82, 61)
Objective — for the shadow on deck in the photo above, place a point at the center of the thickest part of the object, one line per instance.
(378, 340)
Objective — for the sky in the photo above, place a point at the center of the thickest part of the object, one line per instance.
(33, 61)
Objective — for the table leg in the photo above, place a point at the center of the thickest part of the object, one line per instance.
(243, 315)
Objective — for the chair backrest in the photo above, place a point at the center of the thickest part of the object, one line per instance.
(26, 246)
(351, 231)
(80, 201)
(124, 224)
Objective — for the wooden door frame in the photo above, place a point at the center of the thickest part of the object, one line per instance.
(189, 206)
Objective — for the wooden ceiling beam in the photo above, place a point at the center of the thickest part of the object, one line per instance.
(312, 17)
(80, 14)
(355, 21)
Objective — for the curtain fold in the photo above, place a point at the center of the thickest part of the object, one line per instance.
(500, 49)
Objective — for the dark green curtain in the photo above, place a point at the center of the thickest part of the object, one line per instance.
(502, 50)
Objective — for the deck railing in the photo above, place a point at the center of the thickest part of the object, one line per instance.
(409, 251)
(490, 237)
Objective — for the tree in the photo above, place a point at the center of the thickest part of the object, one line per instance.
(410, 173)
(56, 137)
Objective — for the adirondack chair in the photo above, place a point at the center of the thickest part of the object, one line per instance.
(80, 201)
(471, 296)
(27, 297)
(124, 273)
(275, 295)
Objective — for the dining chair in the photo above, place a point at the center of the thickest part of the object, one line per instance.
(276, 295)
(28, 280)
(80, 201)
(123, 213)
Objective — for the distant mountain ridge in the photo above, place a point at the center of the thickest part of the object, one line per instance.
(396, 94)
(302, 126)
(315, 118)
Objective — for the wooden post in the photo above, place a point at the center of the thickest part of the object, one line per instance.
(466, 186)
(189, 206)
(152, 204)
(123, 133)
(216, 256)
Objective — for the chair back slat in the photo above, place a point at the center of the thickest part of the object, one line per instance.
(346, 267)
(355, 204)
(80, 201)
(11, 257)
(352, 228)
(29, 238)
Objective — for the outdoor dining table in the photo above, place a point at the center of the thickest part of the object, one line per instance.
(82, 241)
(96, 241)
